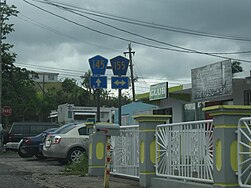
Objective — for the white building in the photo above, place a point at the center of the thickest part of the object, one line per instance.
(67, 113)
(46, 77)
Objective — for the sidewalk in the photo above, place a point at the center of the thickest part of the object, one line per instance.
(73, 181)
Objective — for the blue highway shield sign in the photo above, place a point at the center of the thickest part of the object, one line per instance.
(98, 65)
(120, 82)
(119, 65)
(98, 82)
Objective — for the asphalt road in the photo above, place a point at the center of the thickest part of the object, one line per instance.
(16, 172)
(12, 178)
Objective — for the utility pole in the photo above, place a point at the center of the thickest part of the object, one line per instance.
(131, 69)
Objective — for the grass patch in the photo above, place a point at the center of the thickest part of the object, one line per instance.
(78, 168)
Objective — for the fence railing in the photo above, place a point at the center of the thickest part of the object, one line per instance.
(125, 152)
(244, 152)
(185, 150)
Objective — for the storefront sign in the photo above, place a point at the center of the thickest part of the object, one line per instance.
(158, 91)
(212, 81)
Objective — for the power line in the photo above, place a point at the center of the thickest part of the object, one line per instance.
(181, 49)
(141, 36)
(27, 19)
(149, 24)
(45, 27)
(52, 68)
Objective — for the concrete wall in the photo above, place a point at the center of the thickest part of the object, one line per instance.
(239, 87)
(133, 109)
(177, 108)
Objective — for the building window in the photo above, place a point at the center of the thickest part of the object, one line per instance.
(125, 120)
(189, 112)
(51, 77)
(247, 97)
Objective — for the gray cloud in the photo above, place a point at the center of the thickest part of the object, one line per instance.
(69, 46)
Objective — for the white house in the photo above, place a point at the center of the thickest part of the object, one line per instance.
(46, 77)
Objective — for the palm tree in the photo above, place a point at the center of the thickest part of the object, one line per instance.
(86, 83)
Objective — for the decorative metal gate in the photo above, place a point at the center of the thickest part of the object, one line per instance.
(185, 150)
(125, 152)
(244, 152)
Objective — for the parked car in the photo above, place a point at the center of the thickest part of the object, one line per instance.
(20, 130)
(30, 146)
(68, 145)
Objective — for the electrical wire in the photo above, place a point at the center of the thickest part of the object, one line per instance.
(141, 36)
(181, 49)
(149, 24)
(45, 27)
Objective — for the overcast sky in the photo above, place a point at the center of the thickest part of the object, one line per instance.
(45, 42)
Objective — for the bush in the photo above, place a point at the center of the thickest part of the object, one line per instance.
(78, 168)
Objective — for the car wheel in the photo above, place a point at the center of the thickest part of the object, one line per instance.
(75, 154)
(22, 153)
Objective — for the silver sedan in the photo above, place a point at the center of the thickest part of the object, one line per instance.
(67, 146)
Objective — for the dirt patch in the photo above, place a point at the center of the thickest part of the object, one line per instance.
(50, 174)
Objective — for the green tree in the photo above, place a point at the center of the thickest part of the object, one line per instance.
(236, 67)
(86, 83)
(17, 88)
(71, 89)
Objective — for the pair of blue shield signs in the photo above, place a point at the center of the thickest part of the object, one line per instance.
(119, 67)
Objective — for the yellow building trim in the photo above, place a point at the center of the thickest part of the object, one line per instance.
(218, 155)
(236, 107)
(230, 113)
(147, 130)
(151, 118)
(148, 173)
(142, 151)
(152, 151)
(233, 156)
(100, 150)
(226, 126)
(226, 184)
(90, 151)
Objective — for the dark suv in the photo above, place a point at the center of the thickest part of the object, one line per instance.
(20, 130)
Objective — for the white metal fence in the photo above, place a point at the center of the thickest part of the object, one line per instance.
(244, 152)
(125, 152)
(185, 150)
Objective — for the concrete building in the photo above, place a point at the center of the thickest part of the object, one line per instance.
(180, 105)
(46, 77)
(67, 113)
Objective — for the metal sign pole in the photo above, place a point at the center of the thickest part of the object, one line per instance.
(119, 106)
(98, 105)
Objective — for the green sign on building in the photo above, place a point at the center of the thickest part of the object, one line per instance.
(158, 91)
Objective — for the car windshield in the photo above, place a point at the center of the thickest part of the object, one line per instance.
(64, 128)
